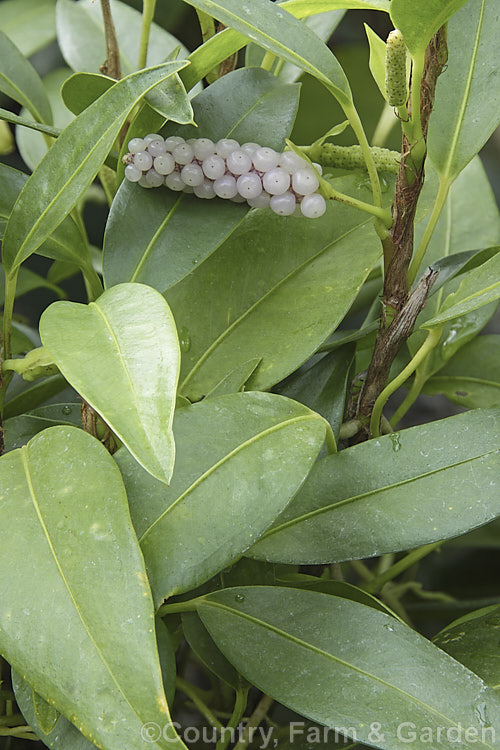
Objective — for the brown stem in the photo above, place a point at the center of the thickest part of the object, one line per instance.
(399, 311)
(111, 67)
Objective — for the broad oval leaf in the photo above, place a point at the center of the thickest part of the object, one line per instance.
(66, 242)
(276, 290)
(278, 31)
(62, 622)
(348, 666)
(20, 81)
(30, 24)
(467, 107)
(240, 459)
(81, 37)
(419, 21)
(121, 354)
(69, 167)
(473, 641)
(472, 377)
(400, 491)
(163, 244)
(19, 430)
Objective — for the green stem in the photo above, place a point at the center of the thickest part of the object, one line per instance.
(444, 189)
(395, 570)
(148, 11)
(384, 127)
(192, 692)
(256, 717)
(10, 295)
(25, 122)
(268, 60)
(236, 716)
(413, 394)
(430, 342)
(357, 126)
(176, 607)
(93, 284)
(380, 213)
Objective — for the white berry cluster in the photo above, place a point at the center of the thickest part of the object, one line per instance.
(258, 175)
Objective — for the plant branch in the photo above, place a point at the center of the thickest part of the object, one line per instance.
(395, 570)
(236, 716)
(112, 66)
(192, 693)
(253, 722)
(148, 11)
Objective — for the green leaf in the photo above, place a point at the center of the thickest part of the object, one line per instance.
(33, 145)
(7, 116)
(72, 163)
(22, 397)
(30, 24)
(377, 59)
(20, 81)
(305, 8)
(65, 243)
(347, 666)
(280, 33)
(46, 714)
(157, 223)
(283, 286)
(323, 385)
(420, 21)
(473, 641)
(205, 649)
(472, 377)
(240, 459)
(122, 355)
(479, 287)
(27, 282)
(63, 735)
(80, 90)
(64, 505)
(235, 380)
(400, 491)
(19, 430)
(81, 37)
(467, 107)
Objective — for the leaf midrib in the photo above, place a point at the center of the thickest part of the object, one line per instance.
(370, 493)
(337, 660)
(241, 318)
(464, 378)
(24, 454)
(225, 459)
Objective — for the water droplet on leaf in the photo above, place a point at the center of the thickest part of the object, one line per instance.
(184, 340)
(396, 442)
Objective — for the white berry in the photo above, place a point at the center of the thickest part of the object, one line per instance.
(136, 145)
(132, 173)
(153, 178)
(313, 206)
(143, 160)
(205, 190)
(283, 205)
(192, 174)
(225, 187)
(157, 147)
(164, 164)
(250, 148)
(172, 141)
(214, 166)
(183, 153)
(260, 201)
(203, 147)
(265, 159)
(249, 185)
(150, 138)
(276, 181)
(238, 162)
(225, 146)
(174, 181)
(305, 181)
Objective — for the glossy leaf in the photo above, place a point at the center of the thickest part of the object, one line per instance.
(305, 8)
(280, 33)
(479, 287)
(467, 108)
(420, 485)
(65, 243)
(32, 144)
(203, 646)
(420, 21)
(62, 624)
(339, 677)
(377, 59)
(72, 163)
(30, 24)
(28, 281)
(19, 430)
(22, 397)
(81, 36)
(235, 380)
(157, 223)
(121, 354)
(20, 81)
(472, 377)
(276, 290)
(323, 386)
(473, 640)
(240, 459)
